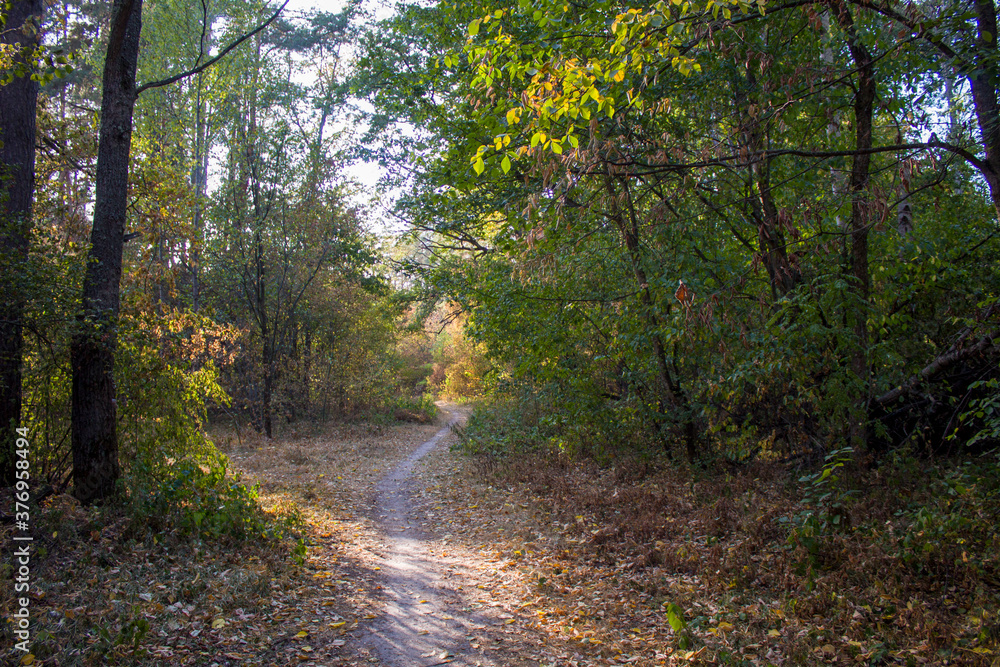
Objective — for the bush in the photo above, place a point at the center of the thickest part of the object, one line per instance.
(951, 525)
(197, 498)
(166, 378)
(420, 409)
(519, 418)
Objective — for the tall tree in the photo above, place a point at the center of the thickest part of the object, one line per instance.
(20, 28)
(95, 439)
(94, 436)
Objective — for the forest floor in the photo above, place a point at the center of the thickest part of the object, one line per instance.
(416, 555)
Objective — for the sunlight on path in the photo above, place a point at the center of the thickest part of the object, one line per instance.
(426, 621)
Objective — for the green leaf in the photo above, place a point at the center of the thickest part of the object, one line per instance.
(675, 616)
(474, 28)
(478, 165)
(505, 164)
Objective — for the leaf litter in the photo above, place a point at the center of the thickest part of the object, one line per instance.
(545, 561)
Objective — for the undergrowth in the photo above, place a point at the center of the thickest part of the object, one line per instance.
(183, 537)
(198, 498)
(891, 564)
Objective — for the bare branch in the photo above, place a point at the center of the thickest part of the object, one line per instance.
(211, 61)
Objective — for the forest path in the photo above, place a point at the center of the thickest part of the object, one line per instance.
(413, 560)
(427, 618)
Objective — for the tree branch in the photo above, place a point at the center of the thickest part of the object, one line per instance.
(934, 142)
(211, 61)
(955, 354)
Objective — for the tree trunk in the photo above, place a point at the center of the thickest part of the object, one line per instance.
(92, 353)
(984, 81)
(770, 237)
(630, 234)
(864, 103)
(18, 101)
(199, 182)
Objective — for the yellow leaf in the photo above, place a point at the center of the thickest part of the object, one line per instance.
(28, 659)
(338, 624)
(773, 633)
(218, 623)
(302, 634)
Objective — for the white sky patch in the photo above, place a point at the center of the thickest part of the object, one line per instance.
(367, 174)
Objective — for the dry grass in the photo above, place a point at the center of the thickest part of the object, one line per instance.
(585, 563)
(611, 550)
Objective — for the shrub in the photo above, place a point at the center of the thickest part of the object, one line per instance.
(197, 497)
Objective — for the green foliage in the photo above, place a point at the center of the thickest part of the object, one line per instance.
(825, 495)
(950, 525)
(985, 410)
(197, 497)
(519, 417)
(504, 427)
(827, 513)
(675, 616)
(165, 385)
(414, 408)
(620, 168)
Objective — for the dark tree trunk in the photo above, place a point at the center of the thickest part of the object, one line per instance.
(18, 100)
(629, 230)
(771, 239)
(864, 104)
(95, 440)
(984, 82)
(307, 371)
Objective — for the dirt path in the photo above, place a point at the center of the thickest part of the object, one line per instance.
(405, 537)
(426, 620)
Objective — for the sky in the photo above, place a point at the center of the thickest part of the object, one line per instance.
(367, 174)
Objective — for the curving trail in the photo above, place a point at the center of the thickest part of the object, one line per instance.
(427, 619)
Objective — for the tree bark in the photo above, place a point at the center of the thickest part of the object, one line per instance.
(18, 102)
(864, 104)
(984, 80)
(92, 353)
(771, 240)
(629, 229)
